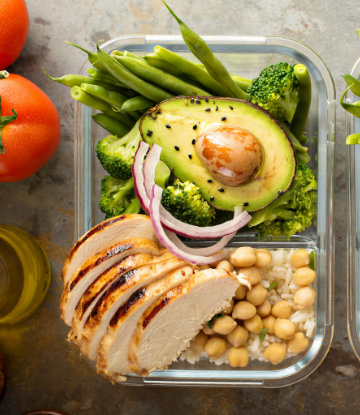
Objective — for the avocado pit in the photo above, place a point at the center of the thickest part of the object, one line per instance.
(232, 155)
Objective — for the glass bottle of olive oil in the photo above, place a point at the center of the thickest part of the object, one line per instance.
(24, 274)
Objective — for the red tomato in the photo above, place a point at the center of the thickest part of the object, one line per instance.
(14, 28)
(33, 138)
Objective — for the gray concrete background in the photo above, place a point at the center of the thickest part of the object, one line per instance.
(44, 371)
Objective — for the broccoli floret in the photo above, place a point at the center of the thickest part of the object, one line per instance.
(222, 216)
(118, 197)
(293, 211)
(184, 202)
(275, 90)
(117, 154)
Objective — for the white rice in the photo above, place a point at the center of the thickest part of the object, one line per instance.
(279, 270)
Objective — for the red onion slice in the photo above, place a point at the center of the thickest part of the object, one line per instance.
(172, 247)
(138, 176)
(150, 164)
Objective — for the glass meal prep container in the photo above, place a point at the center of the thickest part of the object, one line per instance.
(245, 56)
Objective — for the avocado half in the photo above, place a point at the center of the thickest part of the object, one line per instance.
(177, 125)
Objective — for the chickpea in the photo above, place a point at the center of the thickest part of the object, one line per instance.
(238, 357)
(225, 265)
(269, 322)
(300, 258)
(304, 298)
(256, 295)
(215, 347)
(282, 309)
(224, 325)
(304, 276)
(243, 310)
(202, 267)
(276, 353)
(252, 274)
(242, 257)
(206, 330)
(238, 336)
(241, 292)
(284, 329)
(229, 308)
(263, 258)
(199, 342)
(264, 309)
(254, 324)
(298, 343)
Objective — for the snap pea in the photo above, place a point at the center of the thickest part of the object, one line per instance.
(93, 58)
(137, 103)
(110, 124)
(96, 104)
(353, 139)
(352, 108)
(154, 60)
(110, 97)
(353, 83)
(132, 81)
(304, 94)
(104, 77)
(191, 69)
(163, 79)
(212, 64)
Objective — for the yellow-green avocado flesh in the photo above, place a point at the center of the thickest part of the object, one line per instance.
(176, 123)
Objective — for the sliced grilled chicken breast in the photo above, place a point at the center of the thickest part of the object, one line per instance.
(105, 234)
(115, 297)
(114, 347)
(95, 266)
(166, 328)
(104, 281)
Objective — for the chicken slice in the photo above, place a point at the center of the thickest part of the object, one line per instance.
(116, 296)
(102, 283)
(166, 328)
(95, 266)
(105, 234)
(114, 347)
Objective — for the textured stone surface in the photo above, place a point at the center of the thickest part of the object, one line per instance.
(44, 370)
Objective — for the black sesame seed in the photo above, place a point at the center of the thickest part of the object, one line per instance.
(192, 100)
(221, 190)
(211, 198)
(280, 192)
(246, 204)
(197, 101)
(176, 148)
(194, 127)
(190, 156)
(193, 141)
(216, 108)
(193, 182)
(231, 107)
(206, 99)
(167, 126)
(149, 133)
(209, 181)
(223, 118)
(214, 102)
(207, 109)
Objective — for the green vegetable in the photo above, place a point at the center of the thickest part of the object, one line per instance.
(162, 174)
(92, 56)
(110, 97)
(212, 321)
(104, 77)
(118, 197)
(110, 125)
(154, 60)
(119, 72)
(301, 151)
(275, 90)
(184, 202)
(353, 84)
(272, 286)
(304, 95)
(263, 333)
(291, 212)
(212, 64)
(116, 154)
(4, 120)
(353, 108)
(312, 260)
(137, 103)
(353, 139)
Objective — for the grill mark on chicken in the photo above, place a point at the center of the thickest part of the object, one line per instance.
(94, 230)
(155, 310)
(123, 310)
(117, 249)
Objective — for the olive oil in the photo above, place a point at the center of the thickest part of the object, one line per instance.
(24, 274)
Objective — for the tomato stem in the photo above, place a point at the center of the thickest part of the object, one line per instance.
(4, 121)
(4, 74)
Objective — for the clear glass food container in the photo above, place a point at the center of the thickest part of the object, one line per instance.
(353, 216)
(245, 56)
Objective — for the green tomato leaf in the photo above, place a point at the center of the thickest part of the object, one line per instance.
(273, 285)
(263, 333)
(212, 321)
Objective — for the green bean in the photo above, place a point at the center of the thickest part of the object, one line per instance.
(303, 157)
(104, 77)
(96, 104)
(353, 83)
(132, 55)
(190, 69)
(110, 97)
(134, 114)
(137, 103)
(353, 139)
(115, 53)
(303, 139)
(304, 94)
(154, 60)
(110, 124)
(241, 82)
(352, 108)
(301, 151)
(212, 64)
(132, 81)
(163, 79)
(93, 58)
